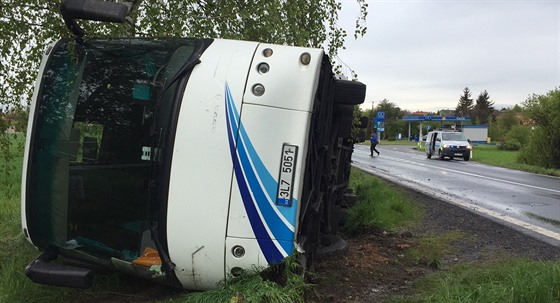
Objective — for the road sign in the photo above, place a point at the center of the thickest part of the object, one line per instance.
(379, 121)
(428, 127)
(380, 126)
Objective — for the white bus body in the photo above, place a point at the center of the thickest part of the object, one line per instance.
(183, 160)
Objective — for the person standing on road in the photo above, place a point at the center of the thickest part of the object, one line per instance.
(374, 143)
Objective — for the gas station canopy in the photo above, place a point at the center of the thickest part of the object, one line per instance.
(435, 118)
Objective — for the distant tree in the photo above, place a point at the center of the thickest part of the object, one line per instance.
(392, 111)
(517, 108)
(465, 105)
(504, 123)
(483, 108)
(544, 112)
(359, 134)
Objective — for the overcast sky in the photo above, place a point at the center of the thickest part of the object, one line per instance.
(420, 55)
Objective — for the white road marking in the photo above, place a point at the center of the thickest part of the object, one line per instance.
(476, 175)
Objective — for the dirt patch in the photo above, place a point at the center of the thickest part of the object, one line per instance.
(378, 264)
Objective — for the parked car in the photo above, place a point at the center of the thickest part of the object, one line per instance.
(447, 144)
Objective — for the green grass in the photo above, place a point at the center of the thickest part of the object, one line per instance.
(10, 187)
(16, 252)
(378, 205)
(431, 248)
(490, 154)
(251, 287)
(507, 281)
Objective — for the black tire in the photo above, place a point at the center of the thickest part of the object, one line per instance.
(429, 155)
(466, 157)
(450, 158)
(440, 155)
(349, 92)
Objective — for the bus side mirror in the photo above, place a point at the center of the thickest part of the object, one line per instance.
(91, 10)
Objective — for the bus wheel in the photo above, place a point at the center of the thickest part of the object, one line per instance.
(349, 92)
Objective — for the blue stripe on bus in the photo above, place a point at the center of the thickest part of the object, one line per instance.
(243, 169)
(278, 228)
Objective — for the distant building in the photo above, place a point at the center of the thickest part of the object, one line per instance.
(447, 112)
(420, 113)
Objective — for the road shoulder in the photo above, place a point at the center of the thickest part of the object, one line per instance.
(375, 267)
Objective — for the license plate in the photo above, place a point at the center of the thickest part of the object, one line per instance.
(458, 154)
(286, 175)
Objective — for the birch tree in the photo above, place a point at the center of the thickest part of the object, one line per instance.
(28, 26)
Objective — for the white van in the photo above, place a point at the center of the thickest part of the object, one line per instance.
(447, 144)
(181, 160)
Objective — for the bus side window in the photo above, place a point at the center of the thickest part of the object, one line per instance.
(90, 148)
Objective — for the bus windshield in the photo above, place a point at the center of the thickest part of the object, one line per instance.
(95, 138)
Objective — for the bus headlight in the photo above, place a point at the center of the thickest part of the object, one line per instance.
(258, 90)
(238, 251)
(236, 271)
(305, 58)
(263, 68)
(267, 52)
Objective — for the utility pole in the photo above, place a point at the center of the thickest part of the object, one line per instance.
(371, 118)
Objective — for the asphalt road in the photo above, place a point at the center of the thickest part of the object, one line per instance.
(525, 201)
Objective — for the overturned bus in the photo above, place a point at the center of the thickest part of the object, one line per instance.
(181, 160)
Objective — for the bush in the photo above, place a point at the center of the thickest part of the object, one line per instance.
(510, 144)
(542, 148)
(519, 133)
(537, 152)
(503, 125)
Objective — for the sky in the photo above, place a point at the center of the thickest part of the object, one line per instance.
(420, 55)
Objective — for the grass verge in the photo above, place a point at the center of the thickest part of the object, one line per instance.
(251, 287)
(378, 205)
(490, 154)
(430, 249)
(507, 281)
